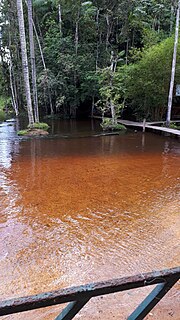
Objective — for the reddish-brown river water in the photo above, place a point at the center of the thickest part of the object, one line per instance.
(82, 209)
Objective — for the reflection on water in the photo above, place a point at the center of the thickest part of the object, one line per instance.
(86, 209)
(9, 143)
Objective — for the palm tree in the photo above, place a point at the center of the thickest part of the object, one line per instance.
(25, 67)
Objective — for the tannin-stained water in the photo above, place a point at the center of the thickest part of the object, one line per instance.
(87, 209)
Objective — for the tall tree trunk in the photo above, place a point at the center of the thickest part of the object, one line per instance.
(15, 89)
(43, 62)
(39, 45)
(107, 33)
(72, 108)
(25, 61)
(109, 29)
(92, 106)
(11, 76)
(127, 50)
(97, 42)
(60, 19)
(77, 32)
(33, 63)
(44, 66)
(14, 102)
(112, 71)
(171, 19)
(168, 118)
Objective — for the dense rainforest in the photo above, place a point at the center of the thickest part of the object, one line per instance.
(87, 57)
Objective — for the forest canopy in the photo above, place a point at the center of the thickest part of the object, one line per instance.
(89, 56)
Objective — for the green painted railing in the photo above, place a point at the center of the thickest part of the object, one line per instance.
(79, 296)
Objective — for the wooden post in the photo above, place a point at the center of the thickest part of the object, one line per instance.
(144, 125)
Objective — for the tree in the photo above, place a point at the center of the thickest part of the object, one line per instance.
(168, 118)
(146, 82)
(25, 61)
(33, 63)
(76, 40)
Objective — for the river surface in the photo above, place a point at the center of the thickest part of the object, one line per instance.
(77, 208)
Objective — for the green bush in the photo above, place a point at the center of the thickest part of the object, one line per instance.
(22, 132)
(174, 126)
(40, 125)
(107, 124)
(2, 115)
(2, 105)
(146, 82)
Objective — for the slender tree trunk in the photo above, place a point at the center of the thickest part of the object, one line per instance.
(33, 63)
(109, 29)
(97, 44)
(171, 19)
(73, 109)
(25, 61)
(19, 79)
(39, 45)
(77, 32)
(44, 66)
(15, 106)
(15, 89)
(92, 107)
(107, 33)
(60, 19)
(168, 118)
(127, 50)
(113, 70)
(11, 78)
(43, 62)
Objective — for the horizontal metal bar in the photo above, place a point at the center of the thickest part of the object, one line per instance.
(152, 299)
(86, 291)
(71, 310)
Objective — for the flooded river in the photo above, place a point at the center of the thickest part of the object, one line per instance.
(77, 208)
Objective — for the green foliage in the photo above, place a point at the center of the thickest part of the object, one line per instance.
(78, 55)
(2, 102)
(174, 125)
(36, 127)
(146, 82)
(5, 108)
(151, 38)
(40, 125)
(2, 116)
(22, 132)
(111, 94)
(107, 125)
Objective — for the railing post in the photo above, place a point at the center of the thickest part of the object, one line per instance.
(72, 309)
(144, 125)
(152, 299)
(77, 297)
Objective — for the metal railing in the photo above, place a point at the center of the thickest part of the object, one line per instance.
(79, 296)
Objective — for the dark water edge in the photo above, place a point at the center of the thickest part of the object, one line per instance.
(87, 138)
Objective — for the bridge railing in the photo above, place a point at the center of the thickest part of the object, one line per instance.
(79, 296)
